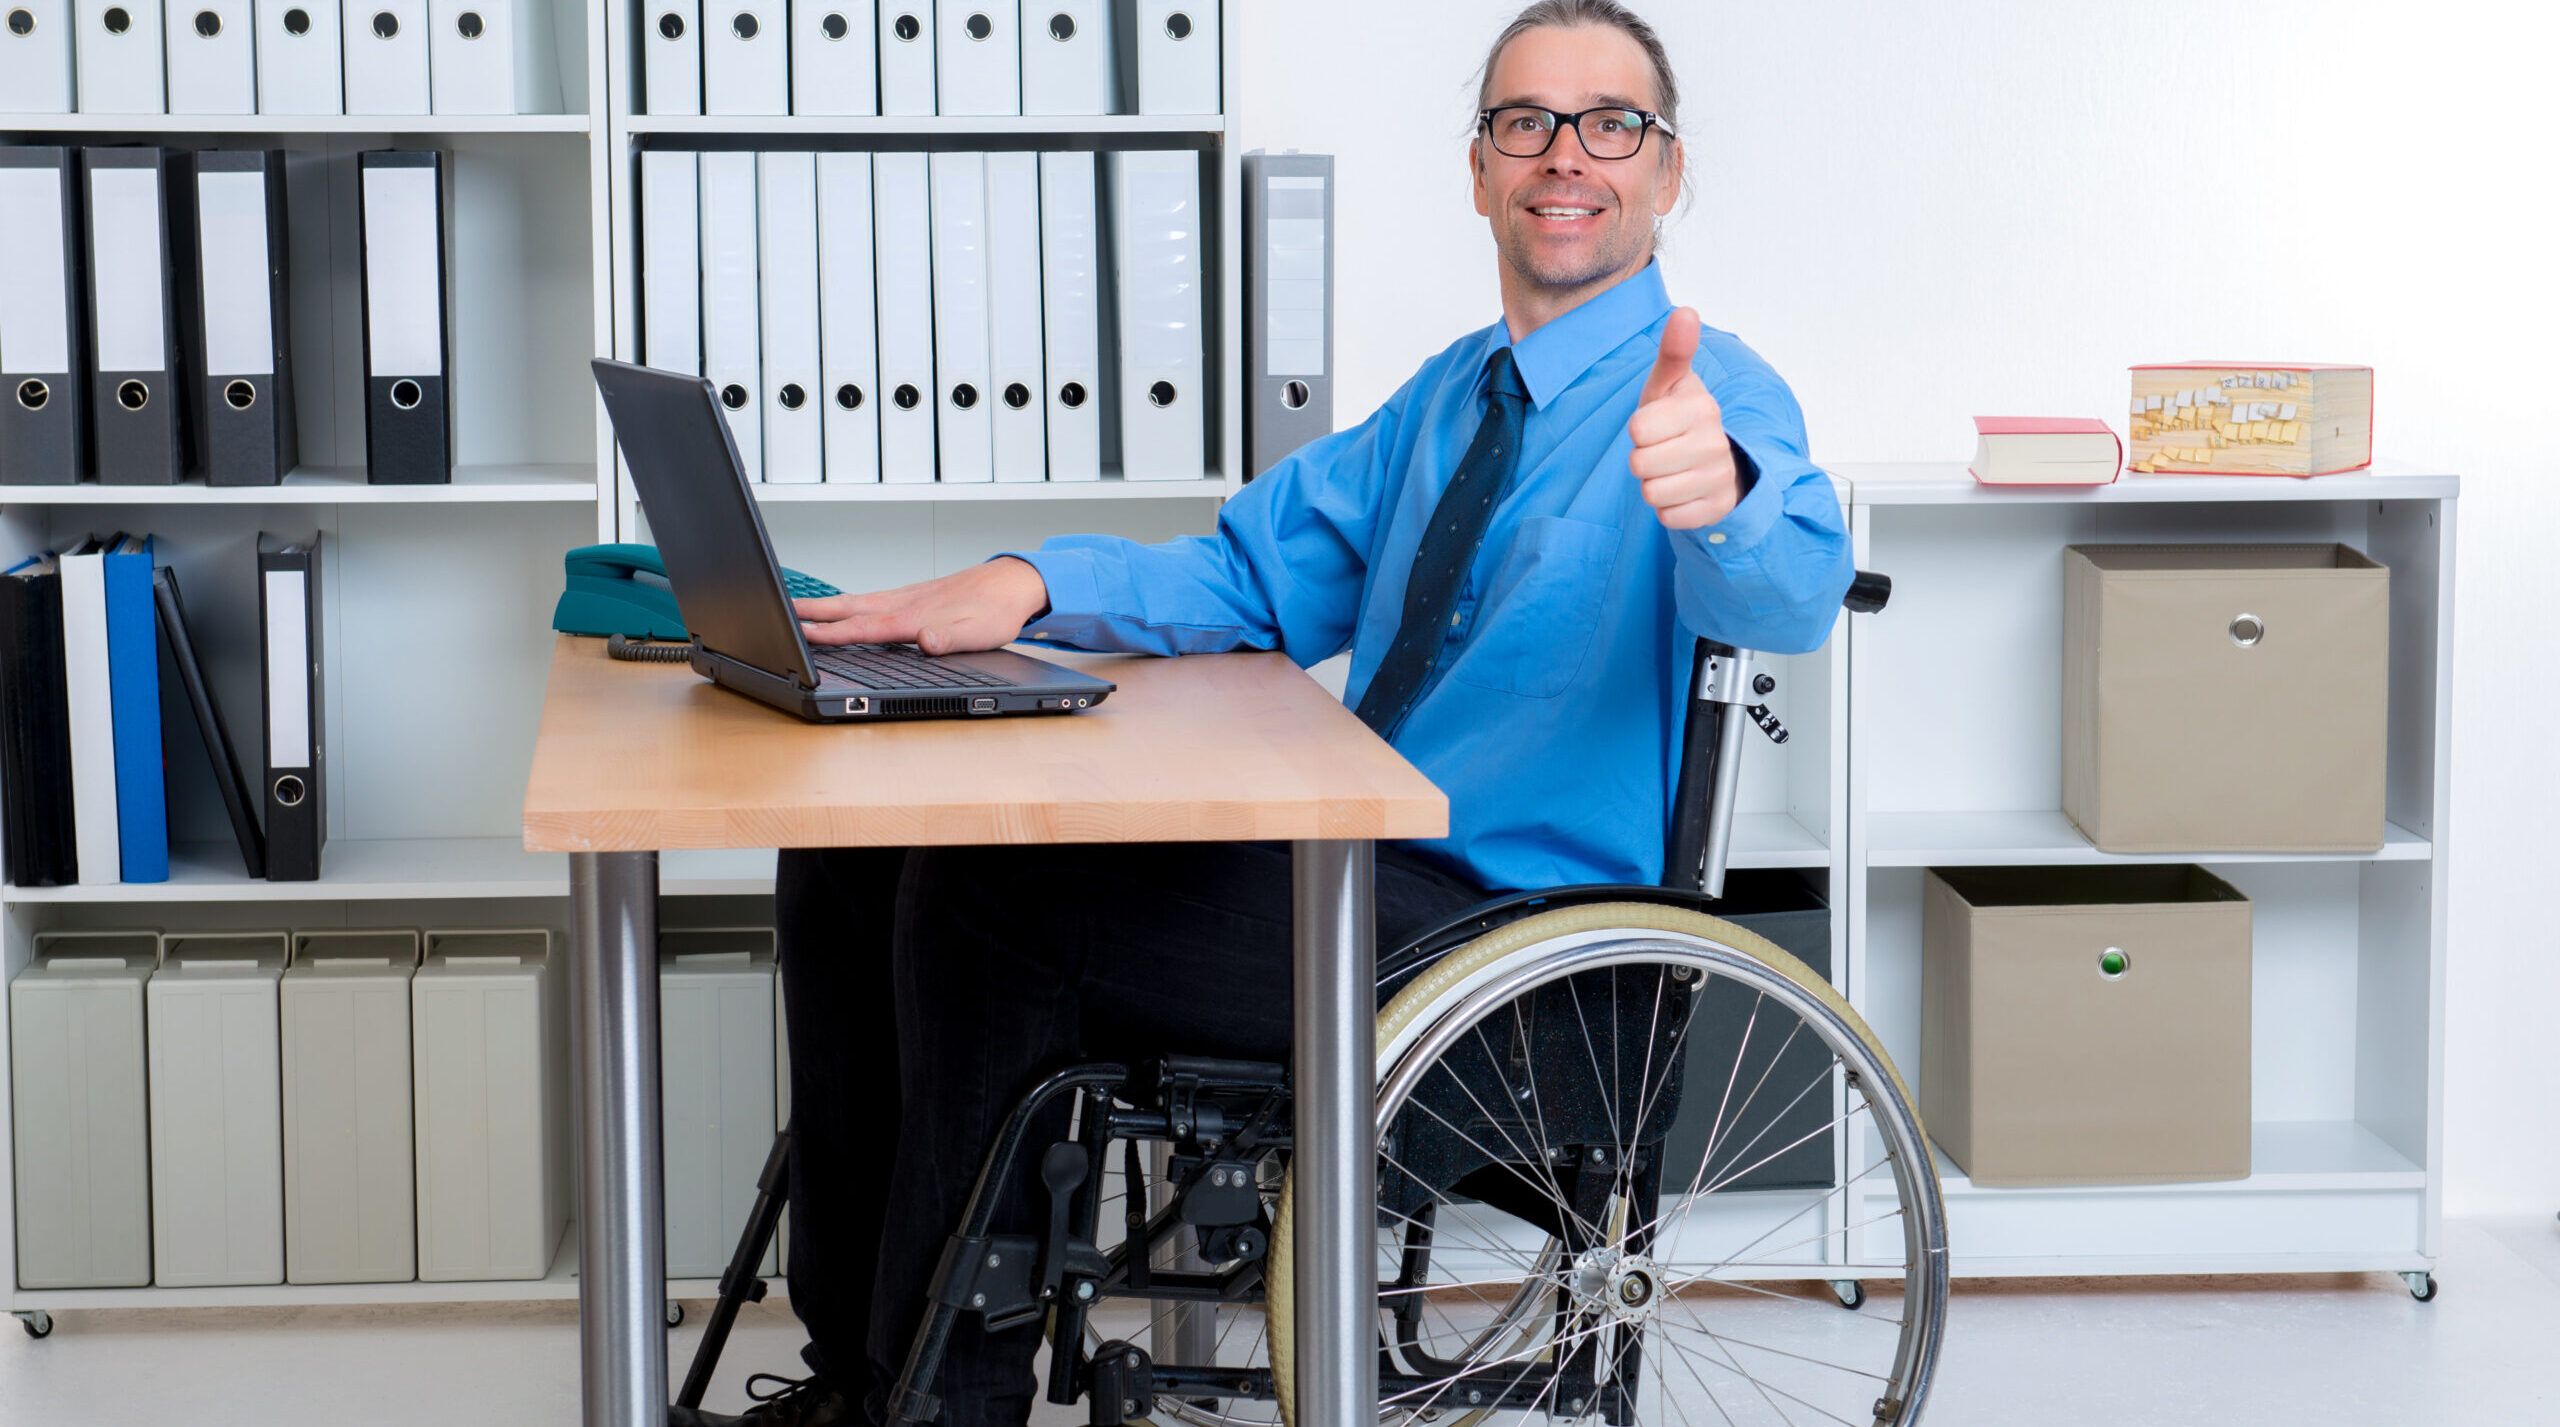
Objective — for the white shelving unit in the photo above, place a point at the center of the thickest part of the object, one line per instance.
(1956, 760)
(1926, 735)
(436, 641)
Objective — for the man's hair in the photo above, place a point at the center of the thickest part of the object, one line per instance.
(1566, 14)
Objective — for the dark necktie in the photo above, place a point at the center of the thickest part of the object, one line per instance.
(1448, 548)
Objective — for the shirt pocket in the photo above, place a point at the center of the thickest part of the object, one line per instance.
(1532, 628)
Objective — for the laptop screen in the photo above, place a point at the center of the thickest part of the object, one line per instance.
(694, 488)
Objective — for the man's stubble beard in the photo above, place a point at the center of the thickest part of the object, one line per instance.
(1625, 247)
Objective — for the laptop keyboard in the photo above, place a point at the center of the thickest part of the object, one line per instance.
(898, 666)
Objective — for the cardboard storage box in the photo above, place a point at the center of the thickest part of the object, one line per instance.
(716, 1052)
(2225, 698)
(489, 1057)
(217, 1112)
(76, 1088)
(350, 1188)
(2086, 1025)
(1772, 1137)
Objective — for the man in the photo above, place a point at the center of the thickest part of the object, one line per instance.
(1516, 549)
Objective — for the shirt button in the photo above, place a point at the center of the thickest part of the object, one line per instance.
(1716, 539)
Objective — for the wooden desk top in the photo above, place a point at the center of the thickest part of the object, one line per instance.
(1220, 747)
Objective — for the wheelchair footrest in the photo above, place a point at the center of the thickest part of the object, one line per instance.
(1122, 1384)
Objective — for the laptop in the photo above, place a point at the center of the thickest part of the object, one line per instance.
(730, 591)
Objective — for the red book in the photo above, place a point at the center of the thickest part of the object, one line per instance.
(2045, 451)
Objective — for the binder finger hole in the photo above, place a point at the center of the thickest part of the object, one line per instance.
(2247, 630)
(849, 397)
(1162, 393)
(733, 396)
(240, 395)
(671, 25)
(385, 24)
(117, 20)
(208, 24)
(1178, 25)
(33, 394)
(978, 26)
(297, 22)
(406, 394)
(964, 396)
(22, 22)
(1016, 395)
(1071, 395)
(1062, 26)
(290, 791)
(133, 396)
(907, 27)
(834, 27)
(468, 25)
(791, 396)
(744, 26)
(1294, 395)
(906, 396)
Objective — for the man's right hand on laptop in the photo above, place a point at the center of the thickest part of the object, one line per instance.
(982, 607)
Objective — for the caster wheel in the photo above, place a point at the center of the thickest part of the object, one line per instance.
(675, 1314)
(2422, 1286)
(39, 1324)
(1851, 1293)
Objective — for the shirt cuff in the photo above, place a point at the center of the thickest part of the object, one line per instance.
(1070, 583)
(1744, 526)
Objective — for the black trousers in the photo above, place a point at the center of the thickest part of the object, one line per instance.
(927, 991)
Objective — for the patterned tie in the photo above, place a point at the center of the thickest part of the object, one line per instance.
(1448, 548)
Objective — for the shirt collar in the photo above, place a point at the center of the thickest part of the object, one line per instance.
(1556, 355)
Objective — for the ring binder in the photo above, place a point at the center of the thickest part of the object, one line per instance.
(44, 365)
(247, 385)
(407, 356)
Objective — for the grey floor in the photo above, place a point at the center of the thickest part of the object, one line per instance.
(2339, 1349)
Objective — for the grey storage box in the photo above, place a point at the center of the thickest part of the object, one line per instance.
(1774, 1139)
(350, 1187)
(2225, 698)
(2086, 1025)
(716, 1031)
(217, 1111)
(77, 1092)
(489, 1057)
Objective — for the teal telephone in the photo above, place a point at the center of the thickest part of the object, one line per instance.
(622, 589)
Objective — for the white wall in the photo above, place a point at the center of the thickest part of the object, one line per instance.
(1918, 210)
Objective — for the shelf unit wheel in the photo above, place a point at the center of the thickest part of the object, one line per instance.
(675, 1314)
(37, 1322)
(1851, 1293)
(2422, 1286)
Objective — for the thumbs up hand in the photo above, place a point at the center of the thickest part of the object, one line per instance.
(1681, 454)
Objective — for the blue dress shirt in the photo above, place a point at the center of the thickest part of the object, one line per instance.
(1553, 720)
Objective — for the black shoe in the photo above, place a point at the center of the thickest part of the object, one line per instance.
(786, 1402)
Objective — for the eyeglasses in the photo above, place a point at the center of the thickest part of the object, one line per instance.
(1525, 131)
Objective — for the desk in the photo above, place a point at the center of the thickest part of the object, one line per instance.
(634, 759)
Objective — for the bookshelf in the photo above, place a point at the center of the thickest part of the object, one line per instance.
(435, 605)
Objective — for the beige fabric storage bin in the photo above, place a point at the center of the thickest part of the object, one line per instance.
(2086, 1025)
(2224, 698)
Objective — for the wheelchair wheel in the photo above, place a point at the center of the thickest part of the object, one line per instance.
(1579, 1119)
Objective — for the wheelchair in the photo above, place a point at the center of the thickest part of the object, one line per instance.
(1581, 1093)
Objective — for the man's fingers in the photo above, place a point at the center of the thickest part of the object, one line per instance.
(1689, 451)
(860, 629)
(1679, 348)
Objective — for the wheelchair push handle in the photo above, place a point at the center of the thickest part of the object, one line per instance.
(1726, 684)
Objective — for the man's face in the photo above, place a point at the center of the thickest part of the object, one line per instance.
(1565, 219)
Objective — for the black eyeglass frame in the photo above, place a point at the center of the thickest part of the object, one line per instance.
(1647, 121)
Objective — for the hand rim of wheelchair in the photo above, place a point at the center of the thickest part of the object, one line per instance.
(1495, 969)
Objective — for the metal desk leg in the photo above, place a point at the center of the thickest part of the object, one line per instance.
(622, 1252)
(1335, 928)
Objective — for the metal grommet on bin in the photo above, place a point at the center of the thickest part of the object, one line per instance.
(2113, 963)
(2247, 630)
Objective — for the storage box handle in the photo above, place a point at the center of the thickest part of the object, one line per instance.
(2113, 963)
(2247, 630)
